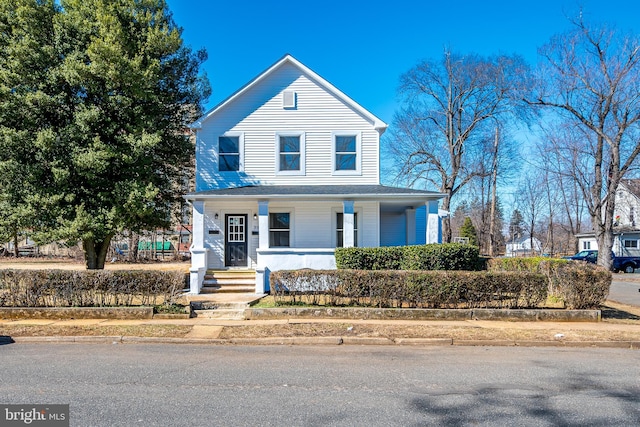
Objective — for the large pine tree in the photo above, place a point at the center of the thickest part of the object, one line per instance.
(103, 101)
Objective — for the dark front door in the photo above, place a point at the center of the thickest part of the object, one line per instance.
(235, 253)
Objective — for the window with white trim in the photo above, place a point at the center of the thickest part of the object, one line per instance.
(586, 245)
(290, 150)
(279, 229)
(340, 229)
(230, 153)
(631, 244)
(346, 153)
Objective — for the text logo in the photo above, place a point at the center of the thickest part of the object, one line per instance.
(34, 415)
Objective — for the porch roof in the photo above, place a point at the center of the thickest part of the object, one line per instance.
(616, 231)
(317, 192)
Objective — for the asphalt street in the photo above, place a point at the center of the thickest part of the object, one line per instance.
(201, 385)
(625, 292)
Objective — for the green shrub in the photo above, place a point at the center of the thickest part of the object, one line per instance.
(420, 289)
(523, 264)
(67, 288)
(381, 258)
(579, 284)
(448, 256)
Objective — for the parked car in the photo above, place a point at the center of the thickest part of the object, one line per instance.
(588, 255)
(626, 264)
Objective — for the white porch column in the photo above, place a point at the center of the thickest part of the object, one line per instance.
(410, 214)
(348, 224)
(434, 226)
(198, 250)
(262, 270)
(263, 224)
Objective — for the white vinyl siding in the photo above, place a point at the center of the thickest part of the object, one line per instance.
(259, 115)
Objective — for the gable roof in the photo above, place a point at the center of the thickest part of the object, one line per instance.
(524, 239)
(288, 59)
(633, 185)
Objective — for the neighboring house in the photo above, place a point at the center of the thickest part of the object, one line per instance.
(523, 247)
(288, 169)
(626, 225)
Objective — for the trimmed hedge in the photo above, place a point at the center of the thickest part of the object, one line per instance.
(447, 256)
(66, 288)
(580, 284)
(411, 289)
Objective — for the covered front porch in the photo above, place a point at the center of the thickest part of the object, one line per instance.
(270, 228)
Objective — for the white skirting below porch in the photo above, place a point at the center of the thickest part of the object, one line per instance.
(297, 258)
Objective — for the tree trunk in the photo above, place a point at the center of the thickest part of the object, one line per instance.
(95, 252)
(494, 184)
(134, 240)
(446, 221)
(16, 252)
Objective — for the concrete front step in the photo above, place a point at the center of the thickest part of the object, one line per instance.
(219, 310)
(229, 281)
(213, 281)
(220, 313)
(215, 305)
(227, 289)
(226, 274)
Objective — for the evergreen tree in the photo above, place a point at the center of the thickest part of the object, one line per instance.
(103, 91)
(516, 226)
(469, 231)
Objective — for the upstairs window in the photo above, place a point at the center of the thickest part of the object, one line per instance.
(290, 154)
(279, 230)
(340, 229)
(346, 154)
(631, 244)
(229, 154)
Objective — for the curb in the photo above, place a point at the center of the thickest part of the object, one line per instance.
(66, 313)
(368, 313)
(325, 341)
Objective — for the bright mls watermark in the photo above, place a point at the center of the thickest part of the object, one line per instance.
(34, 415)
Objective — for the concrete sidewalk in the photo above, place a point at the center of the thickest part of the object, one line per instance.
(209, 331)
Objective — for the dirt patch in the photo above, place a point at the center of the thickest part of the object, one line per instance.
(173, 331)
(422, 331)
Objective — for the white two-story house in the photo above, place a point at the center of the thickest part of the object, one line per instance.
(288, 169)
(626, 224)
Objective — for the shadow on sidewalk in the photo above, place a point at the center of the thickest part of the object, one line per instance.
(617, 314)
(5, 339)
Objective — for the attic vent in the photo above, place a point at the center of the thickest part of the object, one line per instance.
(288, 99)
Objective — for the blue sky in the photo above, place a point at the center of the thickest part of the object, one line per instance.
(362, 47)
